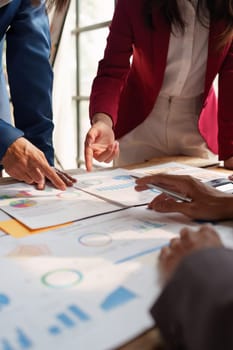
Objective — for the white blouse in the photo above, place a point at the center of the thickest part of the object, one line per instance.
(187, 56)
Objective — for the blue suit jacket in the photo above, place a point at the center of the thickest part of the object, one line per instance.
(26, 30)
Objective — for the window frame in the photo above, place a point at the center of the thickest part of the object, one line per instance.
(78, 97)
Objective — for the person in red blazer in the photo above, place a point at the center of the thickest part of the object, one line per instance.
(131, 75)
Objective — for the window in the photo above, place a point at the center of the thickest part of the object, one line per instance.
(93, 19)
(81, 47)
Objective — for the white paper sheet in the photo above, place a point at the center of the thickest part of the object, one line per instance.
(48, 303)
(118, 185)
(118, 237)
(176, 168)
(72, 297)
(37, 209)
(114, 185)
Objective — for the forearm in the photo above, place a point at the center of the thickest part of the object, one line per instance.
(30, 75)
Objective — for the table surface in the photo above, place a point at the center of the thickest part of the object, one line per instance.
(152, 339)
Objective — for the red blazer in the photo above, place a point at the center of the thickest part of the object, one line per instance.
(127, 91)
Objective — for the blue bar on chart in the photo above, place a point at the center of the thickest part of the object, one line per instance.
(117, 298)
(54, 330)
(4, 300)
(80, 314)
(6, 345)
(66, 320)
(22, 339)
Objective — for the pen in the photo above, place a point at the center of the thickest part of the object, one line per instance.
(173, 194)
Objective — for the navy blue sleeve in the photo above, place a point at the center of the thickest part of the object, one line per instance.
(30, 75)
(8, 134)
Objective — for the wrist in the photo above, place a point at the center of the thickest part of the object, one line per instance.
(104, 118)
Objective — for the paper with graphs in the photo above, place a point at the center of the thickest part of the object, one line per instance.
(86, 304)
(37, 209)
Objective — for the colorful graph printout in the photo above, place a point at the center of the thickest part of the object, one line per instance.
(79, 317)
(53, 207)
(23, 203)
(115, 186)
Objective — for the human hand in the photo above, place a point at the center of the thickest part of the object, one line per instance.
(188, 242)
(228, 163)
(65, 177)
(25, 162)
(100, 143)
(207, 203)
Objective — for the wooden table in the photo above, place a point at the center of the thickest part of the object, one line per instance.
(150, 340)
